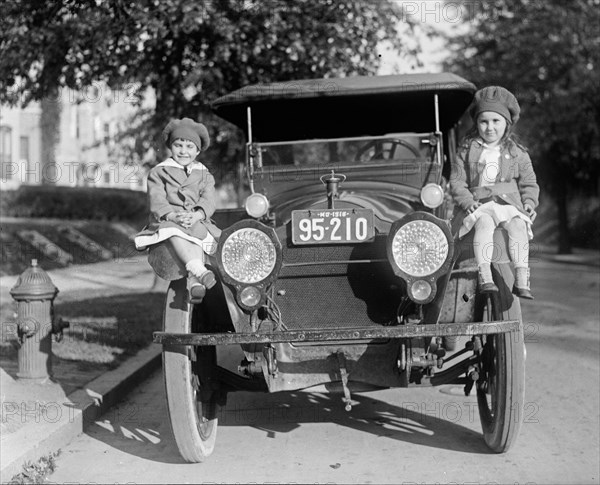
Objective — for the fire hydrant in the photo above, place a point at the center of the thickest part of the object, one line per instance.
(34, 293)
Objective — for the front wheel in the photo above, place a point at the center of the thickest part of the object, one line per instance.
(501, 386)
(193, 415)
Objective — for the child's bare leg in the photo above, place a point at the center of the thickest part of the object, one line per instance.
(518, 247)
(483, 243)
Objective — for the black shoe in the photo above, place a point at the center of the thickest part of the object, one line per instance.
(197, 290)
(488, 288)
(197, 293)
(208, 279)
(524, 293)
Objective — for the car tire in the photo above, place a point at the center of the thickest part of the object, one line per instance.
(501, 384)
(193, 421)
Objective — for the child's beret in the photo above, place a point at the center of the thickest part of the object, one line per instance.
(496, 99)
(186, 129)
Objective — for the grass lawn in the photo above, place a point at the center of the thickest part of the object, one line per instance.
(104, 328)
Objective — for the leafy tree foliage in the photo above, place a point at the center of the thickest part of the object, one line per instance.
(548, 54)
(188, 51)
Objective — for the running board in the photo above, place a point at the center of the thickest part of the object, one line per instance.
(364, 333)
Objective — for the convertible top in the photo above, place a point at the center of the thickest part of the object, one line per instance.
(345, 107)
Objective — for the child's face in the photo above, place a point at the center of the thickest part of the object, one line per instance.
(184, 152)
(491, 127)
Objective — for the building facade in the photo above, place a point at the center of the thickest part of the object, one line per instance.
(87, 149)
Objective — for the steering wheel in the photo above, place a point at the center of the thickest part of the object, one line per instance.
(384, 150)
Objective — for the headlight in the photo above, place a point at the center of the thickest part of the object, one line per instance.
(420, 290)
(419, 248)
(249, 259)
(250, 296)
(432, 196)
(248, 255)
(257, 205)
(419, 251)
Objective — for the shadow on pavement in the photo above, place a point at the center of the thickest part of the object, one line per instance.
(144, 431)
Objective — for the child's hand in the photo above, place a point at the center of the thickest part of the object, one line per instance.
(473, 207)
(173, 217)
(180, 218)
(530, 212)
(188, 219)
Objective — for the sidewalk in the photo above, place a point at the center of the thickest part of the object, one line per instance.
(50, 417)
(40, 418)
(580, 256)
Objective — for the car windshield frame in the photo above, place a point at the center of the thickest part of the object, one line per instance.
(263, 155)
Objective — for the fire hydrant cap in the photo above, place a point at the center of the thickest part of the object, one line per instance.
(34, 284)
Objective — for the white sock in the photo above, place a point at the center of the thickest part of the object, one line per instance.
(196, 267)
(485, 271)
(522, 277)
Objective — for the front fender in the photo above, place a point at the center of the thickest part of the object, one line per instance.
(455, 300)
(219, 311)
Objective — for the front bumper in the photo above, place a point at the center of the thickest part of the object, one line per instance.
(366, 333)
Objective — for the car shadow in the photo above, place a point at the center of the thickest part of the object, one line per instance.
(144, 430)
(425, 422)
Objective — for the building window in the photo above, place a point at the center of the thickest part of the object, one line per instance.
(97, 129)
(24, 148)
(24, 158)
(6, 152)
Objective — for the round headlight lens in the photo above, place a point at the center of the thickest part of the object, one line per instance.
(420, 248)
(257, 205)
(432, 196)
(248, 255)
(421, 290)
(250, 296)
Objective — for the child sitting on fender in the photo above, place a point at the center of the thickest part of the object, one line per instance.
(494, 184)
(181, 195)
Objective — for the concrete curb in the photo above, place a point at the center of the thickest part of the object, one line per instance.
(65, 421)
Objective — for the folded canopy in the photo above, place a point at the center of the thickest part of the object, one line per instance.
(345, 107)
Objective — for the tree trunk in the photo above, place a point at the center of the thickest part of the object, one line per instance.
(50, 127)
(564, 238)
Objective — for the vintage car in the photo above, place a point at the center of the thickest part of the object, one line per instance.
(342, 268)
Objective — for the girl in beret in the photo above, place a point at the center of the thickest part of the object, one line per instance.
(494, 184)
(181, 195)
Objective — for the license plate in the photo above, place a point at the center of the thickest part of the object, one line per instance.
(332, 226)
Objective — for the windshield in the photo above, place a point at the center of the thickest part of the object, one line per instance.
(396, 148)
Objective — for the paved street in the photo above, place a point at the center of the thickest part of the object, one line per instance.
(392, 436)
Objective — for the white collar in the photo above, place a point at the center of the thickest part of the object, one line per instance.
(169, 162)
(485, 146)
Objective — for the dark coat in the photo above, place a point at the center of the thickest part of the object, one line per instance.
(171, 189)
(515, 168)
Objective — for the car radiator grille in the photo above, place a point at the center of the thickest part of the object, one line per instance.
(337, 286)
